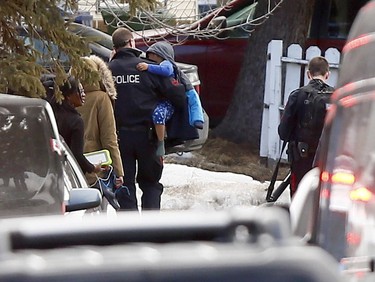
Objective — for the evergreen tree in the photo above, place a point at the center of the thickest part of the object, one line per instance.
(45, 25)
(42, 21)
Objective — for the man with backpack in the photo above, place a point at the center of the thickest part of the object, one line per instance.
(302, 121)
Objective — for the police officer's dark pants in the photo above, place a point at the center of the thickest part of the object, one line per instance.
(298, 169)
(142, 165)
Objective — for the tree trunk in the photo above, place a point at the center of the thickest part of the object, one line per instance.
(290, 23)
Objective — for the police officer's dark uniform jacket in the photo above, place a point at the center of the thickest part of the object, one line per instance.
(142, 90)
(137, 95)
(291, 131)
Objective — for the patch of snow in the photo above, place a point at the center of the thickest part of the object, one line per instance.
(187, 188)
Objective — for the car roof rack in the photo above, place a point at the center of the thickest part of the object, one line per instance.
(130, 227)
(237, 245)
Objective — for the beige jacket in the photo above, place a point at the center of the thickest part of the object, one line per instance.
(98, 116)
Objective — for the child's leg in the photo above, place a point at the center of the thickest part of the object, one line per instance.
(159, 119)
(160, 131)
(162, 113)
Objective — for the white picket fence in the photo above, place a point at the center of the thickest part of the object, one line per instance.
(283, 75)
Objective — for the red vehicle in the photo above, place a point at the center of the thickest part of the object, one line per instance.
(219, 58)
(217, 70)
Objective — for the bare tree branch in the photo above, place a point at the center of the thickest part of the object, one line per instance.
(207, 27)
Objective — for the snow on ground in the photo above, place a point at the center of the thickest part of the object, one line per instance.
(191, 188)
(187, 188)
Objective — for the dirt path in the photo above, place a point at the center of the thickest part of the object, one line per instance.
(221, 155)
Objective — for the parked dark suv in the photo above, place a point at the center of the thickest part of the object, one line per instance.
(334, 206)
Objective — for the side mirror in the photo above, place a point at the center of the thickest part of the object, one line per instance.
(303, 208)
(83, 198)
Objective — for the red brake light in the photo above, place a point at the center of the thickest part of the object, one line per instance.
(361, 194)
(353, 238)
(324, 176)
(339, 177)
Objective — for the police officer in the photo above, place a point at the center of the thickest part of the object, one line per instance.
(303, 140)
(138, 94)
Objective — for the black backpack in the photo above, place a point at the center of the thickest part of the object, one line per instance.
(311, 122)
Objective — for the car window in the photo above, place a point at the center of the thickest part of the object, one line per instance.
(73, 175)
(70, 178)
(333, 18)
(341, 17)
(48, 51)
(242, 16)
(27, 157)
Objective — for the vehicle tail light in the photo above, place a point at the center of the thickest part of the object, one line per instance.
(63, 208)
(341, 182)
(353, 238)
(339, 177)
(361, 194)
(324, 176)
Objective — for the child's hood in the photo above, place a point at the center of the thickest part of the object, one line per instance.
(162, 49)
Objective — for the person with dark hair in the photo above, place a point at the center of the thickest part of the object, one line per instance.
(138, 92)
(302, 122)
(70, 123)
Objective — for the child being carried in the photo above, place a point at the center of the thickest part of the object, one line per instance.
(163, 54)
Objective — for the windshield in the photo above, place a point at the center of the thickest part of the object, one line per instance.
(25, 154)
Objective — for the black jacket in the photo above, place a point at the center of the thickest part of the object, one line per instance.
(138, 92)
(294, 112)
(71, 128)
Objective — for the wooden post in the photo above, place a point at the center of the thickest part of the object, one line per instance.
(272, 97)
(333, 57)
(293, 70)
